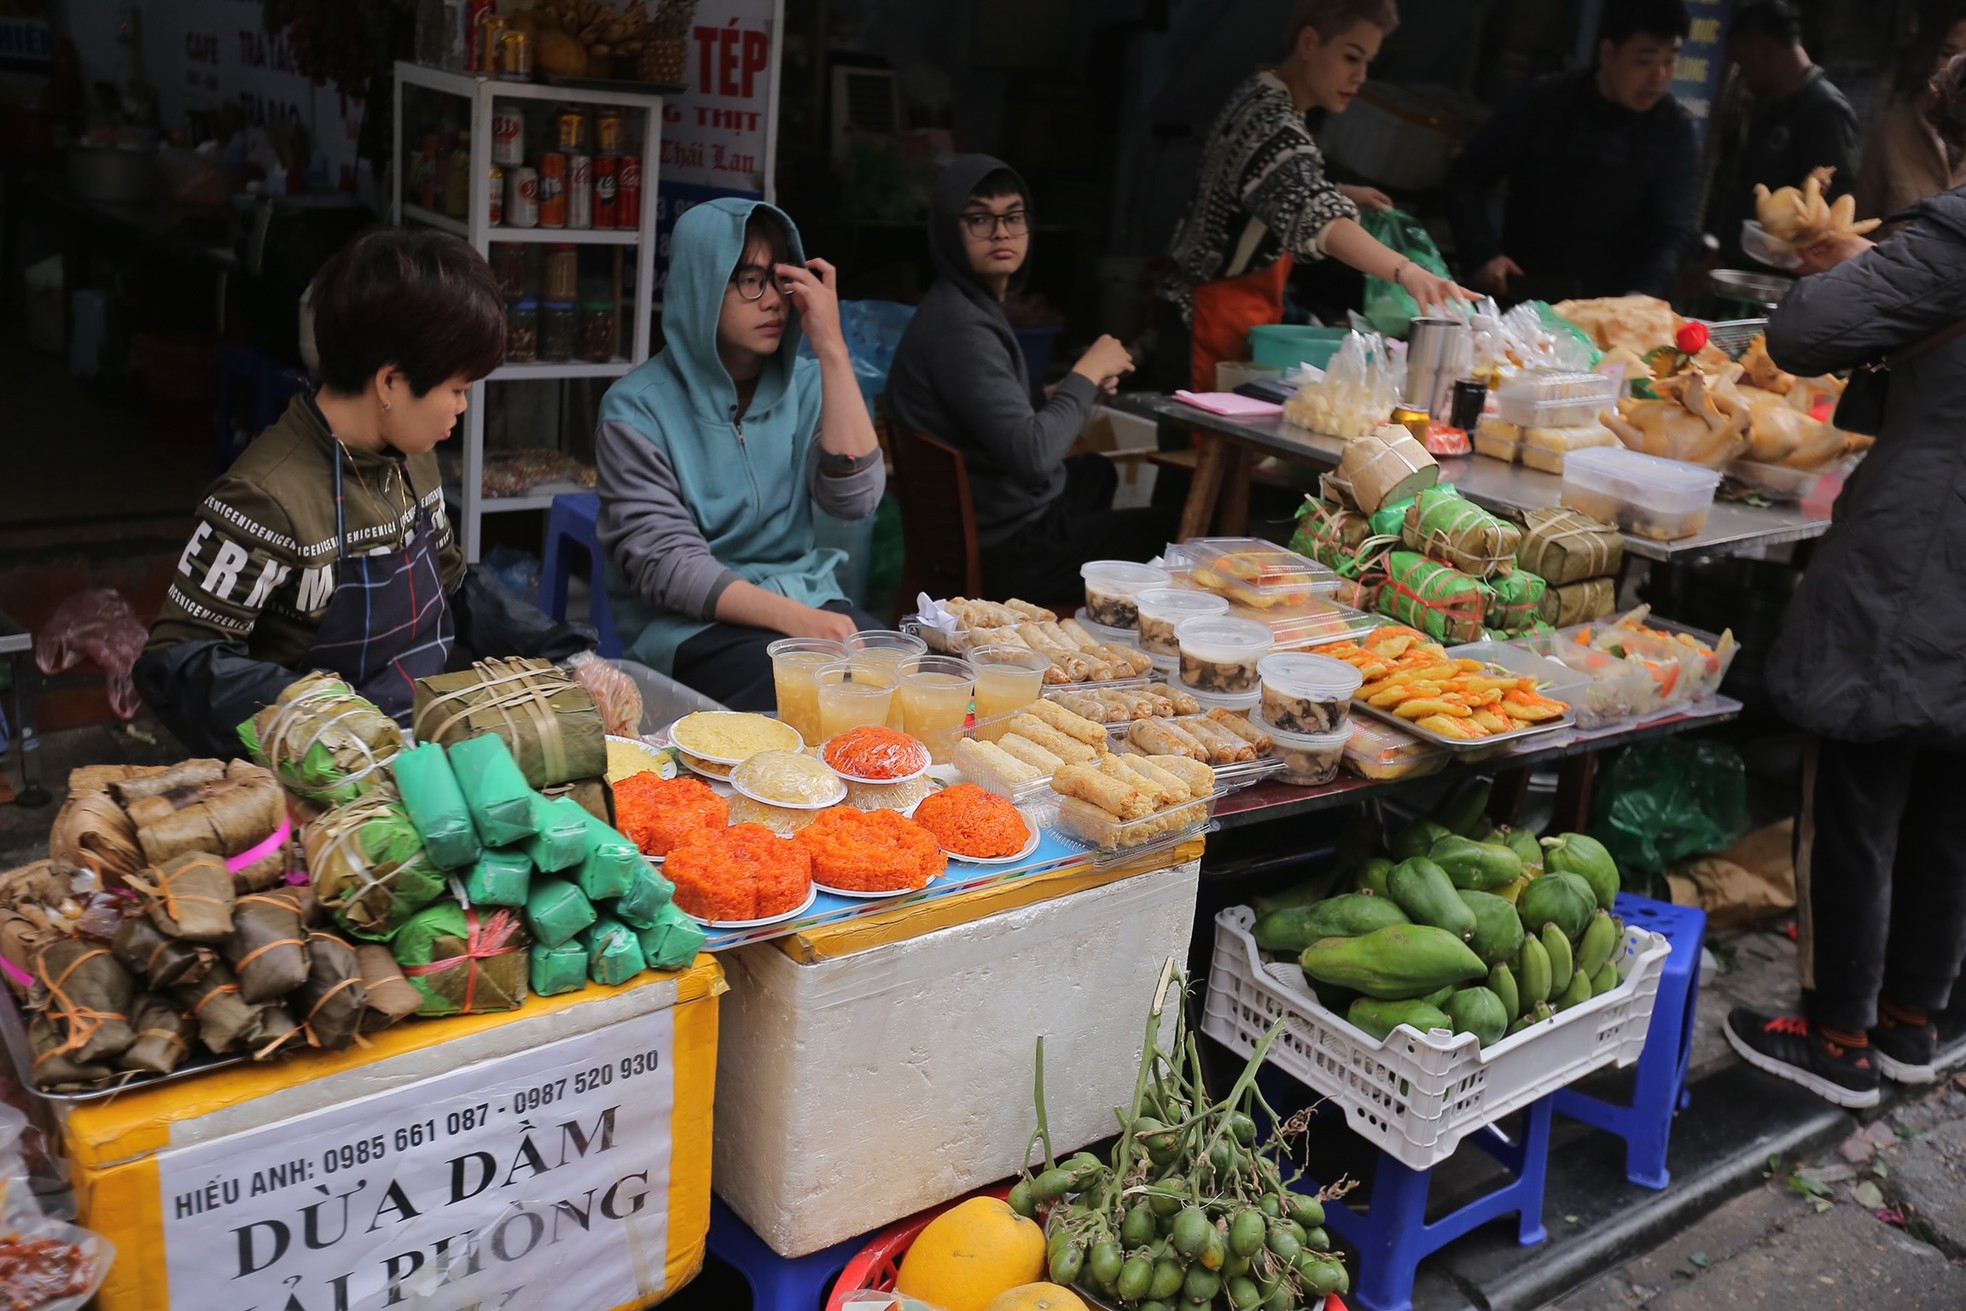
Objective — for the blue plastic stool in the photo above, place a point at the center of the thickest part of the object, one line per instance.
(272, 384)
(1392, 1234)
(573, 520)
(1659, 1089)
(778, 1283)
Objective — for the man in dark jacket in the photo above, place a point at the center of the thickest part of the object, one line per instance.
(959, 375)
(1868, 659)
(1602, 170)
(1800, 121)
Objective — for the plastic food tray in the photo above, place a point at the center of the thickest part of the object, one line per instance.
(1417, 1096)
(1548, 398)
(1614, 691)
(1700, 675)
(1663, 500)
(1387, 754)
(1256, 573)
(1774, 481)
(1456, 745)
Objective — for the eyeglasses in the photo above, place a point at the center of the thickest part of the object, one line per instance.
(751, 283)
(1015, 224)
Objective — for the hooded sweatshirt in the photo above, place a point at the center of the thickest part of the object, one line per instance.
(959, 375)
(695, 497)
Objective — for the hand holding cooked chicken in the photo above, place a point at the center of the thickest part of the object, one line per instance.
(1801, 218)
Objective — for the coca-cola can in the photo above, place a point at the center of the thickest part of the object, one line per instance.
(607, 177)
(552, 190)
(496, 215)
(628, 209)
(508, 137)
(522, 197)
(580, 191)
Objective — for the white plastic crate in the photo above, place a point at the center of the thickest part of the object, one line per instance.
(1418, 1097)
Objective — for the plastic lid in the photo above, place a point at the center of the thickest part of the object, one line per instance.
(1253, 565)
(1616, 462)
(1124, 575)
(1178, 603)
(1222, 633)
(1538, 385)
(1332, 741)
(1380, 743)
(1314, 677)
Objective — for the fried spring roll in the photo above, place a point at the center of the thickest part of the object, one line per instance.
(1199, 777)
(1022, 748)
(1093, 734)
(1159, 737)
(1070, 750)
(1114, 796)
(1243, 729)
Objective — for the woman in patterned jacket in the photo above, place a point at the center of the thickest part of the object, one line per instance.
(1263, 198)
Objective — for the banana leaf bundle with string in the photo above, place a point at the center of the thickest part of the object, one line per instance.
(548, 721)
(240, 816)
(85, 992)
(189, 897)
(464, 963)
(330, 1004)
(164, 1036)
(268, 946)
(369, 867)
(160, 960)
(55, 1068)
(391, 997)
(326, 744)
(227, 1023)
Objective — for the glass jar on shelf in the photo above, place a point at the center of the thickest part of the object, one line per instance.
(562, 272)
(557, 331)
(599, 332)
(508, 261)
(522, 331)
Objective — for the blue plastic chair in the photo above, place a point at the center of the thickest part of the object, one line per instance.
(574, 521)
(1659, 1086)
(778, 1283)
(271, 383)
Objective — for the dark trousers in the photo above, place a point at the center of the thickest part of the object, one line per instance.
(727, 662)
(1040, 561)
(1880, 879)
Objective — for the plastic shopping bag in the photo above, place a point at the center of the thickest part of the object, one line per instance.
(1666, 800)
(1390, 309)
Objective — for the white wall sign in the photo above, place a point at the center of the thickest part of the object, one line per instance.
(537, 1180)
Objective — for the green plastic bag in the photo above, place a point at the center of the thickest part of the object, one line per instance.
(609, 869)
(648, 892)
(499, 878)
(1666, 801)
(673, 940)
(614, 953)
(436, 805)
(498, 795)
(1390, 310)
(559, 969)
(559, 839)
(556, 910)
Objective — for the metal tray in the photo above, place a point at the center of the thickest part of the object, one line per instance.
(1567, 720)
(13, 1033)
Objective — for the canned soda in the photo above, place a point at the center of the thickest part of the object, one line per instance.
(515, 55)
(486, 28)
(573, 130)
(497, 204)
(607, 131)
(628, 190)
(580, 191)
(607, 173)
(522, 197)
(552, 190)
(508, 137)
(476, 12)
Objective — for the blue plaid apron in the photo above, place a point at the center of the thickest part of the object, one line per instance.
(388, 623)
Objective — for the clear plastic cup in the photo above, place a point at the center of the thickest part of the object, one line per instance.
(1007, 678)
(848, 702)
(875, 653)
(794, 662)
(934, 698)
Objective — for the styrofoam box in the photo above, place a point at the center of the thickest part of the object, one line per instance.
(1417, 1096)
(854, 1091)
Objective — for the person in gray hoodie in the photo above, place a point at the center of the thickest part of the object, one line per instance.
(959, 375)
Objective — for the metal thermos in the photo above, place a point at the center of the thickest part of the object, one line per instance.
(1438, 351)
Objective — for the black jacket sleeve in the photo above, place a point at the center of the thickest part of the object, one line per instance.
(1482, 164)
(1670, 205)
(203, 691)
(492, 623)
(1908, 288)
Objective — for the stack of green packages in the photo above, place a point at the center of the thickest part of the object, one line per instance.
(436, 805)
(1515, 603)
(673, 940)
(1458, 532)
(559, 969)
(499, 878)
(495, 791)
(559, 839)
(608, 869)
(464, 962)
(1437, 599)
(556, 911)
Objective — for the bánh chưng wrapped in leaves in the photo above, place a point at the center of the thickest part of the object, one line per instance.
(390, 996)
(548, 720)
(329, 1005)
(325, 743)
(430, 794)
(1449, 528)
(1439, 600)
(1563, 546)
(464, 962)
(1579, 603)
(268, 946)
(88, 998)
(164, 1036)
(55, 1066)
(189, 897)
(495, 790)
(160, 960)
(1516, 600)
(227, 1023)
(370, 870)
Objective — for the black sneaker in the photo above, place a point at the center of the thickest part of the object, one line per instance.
(1786, 1047)
(1949, 1049)
(1905, 1052)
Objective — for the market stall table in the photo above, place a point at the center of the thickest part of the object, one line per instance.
(1229, 446)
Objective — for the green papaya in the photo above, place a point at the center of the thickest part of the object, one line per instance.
(1421, 889)
(1414, 839)
(1466, 808)
(1523, 843)
(1483, 831)
(1297, 927)
(1498, 929)
(1396, 962)
(1439, 996)
(1584, 856)
(1502, 982)
(1380, 1018)
(1371, 876)
(1553, 899)
(1479, 865)
(1480, 1012)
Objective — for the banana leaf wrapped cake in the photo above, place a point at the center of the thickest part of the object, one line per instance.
(327, 744)
(462, 961)
(370, 870)
(548, 721)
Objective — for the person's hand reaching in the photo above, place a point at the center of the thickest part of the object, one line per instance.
(1366, 197)
(1493, 277)
(1431, 291)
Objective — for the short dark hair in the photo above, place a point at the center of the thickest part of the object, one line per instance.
(765, 228)
(1776, 20)
(1334, 18)
(1624, 19)
(424, 302)
(997, 183)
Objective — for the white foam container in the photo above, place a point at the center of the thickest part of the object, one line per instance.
(854, 1091)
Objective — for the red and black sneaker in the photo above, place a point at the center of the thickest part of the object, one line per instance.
(1905, 1043)
(1828, 1063)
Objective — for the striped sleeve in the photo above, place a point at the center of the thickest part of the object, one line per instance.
(241, 555)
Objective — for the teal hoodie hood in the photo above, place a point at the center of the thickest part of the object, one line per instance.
(745, 485)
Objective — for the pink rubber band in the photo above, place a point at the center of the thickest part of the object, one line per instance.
(247, 859)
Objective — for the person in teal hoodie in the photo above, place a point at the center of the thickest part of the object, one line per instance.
(714, 455)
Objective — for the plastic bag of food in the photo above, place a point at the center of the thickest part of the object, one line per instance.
(614, 953)
(555, 970)
(1439, 600)
(559, 839)
(1388, 308)
(495, 791)
(99, 625)
(499, 878)
(617, 695)
(556, 911)
(1357, 391)
(436, 806)
(609, 866)
(648, 892)
(673, 940)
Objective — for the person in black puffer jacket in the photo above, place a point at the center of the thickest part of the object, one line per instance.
(1870, 660)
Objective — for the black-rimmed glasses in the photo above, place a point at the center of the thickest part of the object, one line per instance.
(751, 283)
(1015, 224)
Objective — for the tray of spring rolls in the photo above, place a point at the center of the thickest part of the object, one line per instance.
(1078, 657)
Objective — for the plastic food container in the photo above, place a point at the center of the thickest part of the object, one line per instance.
(1314, 623)
(1161, 608)
(1498, 439)
(1307, 693)
(1553, 398)
(1240, 702)
(1256, 573)
(1219, 654)
(1084, 822)
(1382, 752)
(1663, 500)
(1309, 759)
(1775, 482)
(1111, 636)
(1618, 690)
(1111, 585)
